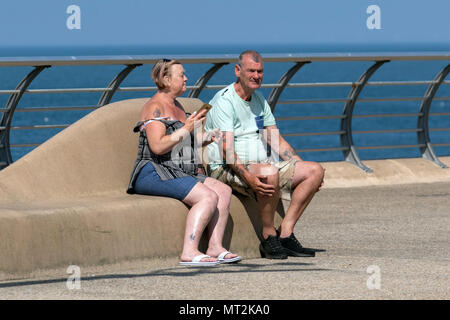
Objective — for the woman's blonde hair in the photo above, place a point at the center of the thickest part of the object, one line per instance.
(160, 70)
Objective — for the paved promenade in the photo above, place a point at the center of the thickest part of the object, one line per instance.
(381, 242)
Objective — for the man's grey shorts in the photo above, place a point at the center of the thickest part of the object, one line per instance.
(285, 170)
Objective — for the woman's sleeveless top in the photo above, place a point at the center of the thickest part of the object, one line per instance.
(180, 162)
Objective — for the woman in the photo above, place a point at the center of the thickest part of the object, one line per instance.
(162, 167)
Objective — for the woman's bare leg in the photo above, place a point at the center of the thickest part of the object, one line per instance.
(203, 202)
(218, 223)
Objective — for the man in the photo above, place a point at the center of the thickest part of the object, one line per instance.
(248, 126)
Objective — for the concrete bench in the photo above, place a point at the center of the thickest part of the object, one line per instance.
(65, 202)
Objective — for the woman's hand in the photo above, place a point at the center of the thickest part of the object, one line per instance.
(195, 120)
(214, 135)
(160, 143)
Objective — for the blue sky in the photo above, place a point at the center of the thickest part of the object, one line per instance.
(289, 23)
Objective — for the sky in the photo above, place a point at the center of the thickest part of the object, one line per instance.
(289, 24)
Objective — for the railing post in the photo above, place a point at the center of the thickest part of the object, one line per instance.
(114, 84)
(423, 135)
(284, 80)
(5, 123)
(350, 153)
(276, 92)
(203, 80)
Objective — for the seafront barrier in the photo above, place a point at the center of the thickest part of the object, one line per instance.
(64, 203)
(337, 111)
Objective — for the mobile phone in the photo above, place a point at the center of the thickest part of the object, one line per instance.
(206, 106)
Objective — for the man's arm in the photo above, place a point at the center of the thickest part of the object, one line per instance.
(237, 166)
(230, 156)
(279, 144)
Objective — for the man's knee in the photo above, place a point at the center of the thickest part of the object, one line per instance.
(309, 170)
(316, 171)
(262, 168)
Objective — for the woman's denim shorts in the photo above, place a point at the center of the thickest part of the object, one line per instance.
(148, 182)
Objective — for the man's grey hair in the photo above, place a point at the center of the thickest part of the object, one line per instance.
(256, 56)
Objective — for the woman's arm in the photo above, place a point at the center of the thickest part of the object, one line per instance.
(159, 142)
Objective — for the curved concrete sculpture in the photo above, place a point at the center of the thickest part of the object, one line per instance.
(65, 202)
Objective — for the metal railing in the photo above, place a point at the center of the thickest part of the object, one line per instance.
(346, 132)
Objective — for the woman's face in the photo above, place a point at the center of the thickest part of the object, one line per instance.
(177, 79)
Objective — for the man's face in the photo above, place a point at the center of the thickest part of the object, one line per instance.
(250, 73)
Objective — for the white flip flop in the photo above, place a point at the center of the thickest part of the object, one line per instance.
(222, 259)
(198, 263)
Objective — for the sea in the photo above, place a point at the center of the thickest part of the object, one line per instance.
(317, 72)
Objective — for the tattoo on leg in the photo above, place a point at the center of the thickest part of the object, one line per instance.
(192, 237)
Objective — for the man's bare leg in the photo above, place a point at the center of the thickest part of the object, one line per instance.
(308, 176)
(267, 204)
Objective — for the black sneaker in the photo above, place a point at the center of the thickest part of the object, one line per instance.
(271, 248)
(293, 248)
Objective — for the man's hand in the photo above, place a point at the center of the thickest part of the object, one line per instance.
(257, 183)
